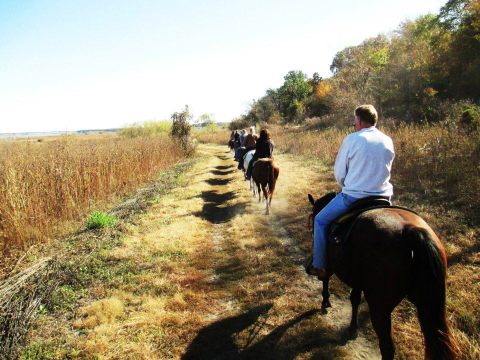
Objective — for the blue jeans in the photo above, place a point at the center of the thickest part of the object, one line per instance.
(338, 206)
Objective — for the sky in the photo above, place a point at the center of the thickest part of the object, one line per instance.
(94, 64)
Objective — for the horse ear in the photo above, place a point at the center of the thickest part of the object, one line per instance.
(310, 197)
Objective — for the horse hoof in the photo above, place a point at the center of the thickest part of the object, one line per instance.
(326, 305)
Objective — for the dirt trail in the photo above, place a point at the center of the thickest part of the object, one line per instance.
(273, 334)
(206, 275)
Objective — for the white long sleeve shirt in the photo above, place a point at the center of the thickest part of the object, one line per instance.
(363, 164)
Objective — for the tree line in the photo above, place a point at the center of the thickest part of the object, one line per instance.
(426, 70)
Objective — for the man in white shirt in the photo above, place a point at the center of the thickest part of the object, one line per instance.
(362, 168)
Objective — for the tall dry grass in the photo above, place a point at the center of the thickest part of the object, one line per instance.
(212, 136)
(441, 165)
(45, 185)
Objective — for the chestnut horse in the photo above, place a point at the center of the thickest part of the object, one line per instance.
(391, 254)
(265, 174)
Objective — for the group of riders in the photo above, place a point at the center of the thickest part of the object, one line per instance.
(362, 169)
(243, 143)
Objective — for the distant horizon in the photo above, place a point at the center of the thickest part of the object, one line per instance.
(5, 134)
(68, 66)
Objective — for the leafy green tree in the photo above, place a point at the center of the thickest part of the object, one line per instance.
(293, 95)
(452, 13)
(462, 18)
(358, 73)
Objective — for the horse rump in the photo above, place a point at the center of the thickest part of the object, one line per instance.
(265, 174)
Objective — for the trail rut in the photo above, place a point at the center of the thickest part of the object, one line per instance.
(266, 326)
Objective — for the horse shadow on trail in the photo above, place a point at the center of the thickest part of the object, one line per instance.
(217, 340)
(223, 167)
(215, 211)
(218, 181)
(222, 172)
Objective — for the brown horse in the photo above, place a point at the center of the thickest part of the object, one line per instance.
(265, 174)
(391, 254)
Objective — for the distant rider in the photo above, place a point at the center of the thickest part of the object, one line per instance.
(249, 144)
(263, 149)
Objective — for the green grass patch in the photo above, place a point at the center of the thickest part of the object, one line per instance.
(101, 220)
(64, 298)
(46, 350)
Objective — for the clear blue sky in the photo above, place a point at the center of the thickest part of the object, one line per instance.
(69, 65)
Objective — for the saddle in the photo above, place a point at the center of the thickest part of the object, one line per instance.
(341, 227)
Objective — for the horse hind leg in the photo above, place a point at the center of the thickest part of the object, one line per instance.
(355, 297)
(267, 204)
(325, 295)
(265, 193)
(382, 324)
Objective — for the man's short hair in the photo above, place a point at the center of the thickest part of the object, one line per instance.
(367, 113)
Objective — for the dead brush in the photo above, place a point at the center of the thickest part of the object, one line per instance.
(20, 298)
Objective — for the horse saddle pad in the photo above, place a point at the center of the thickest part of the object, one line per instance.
(261, 160)
(341, 227)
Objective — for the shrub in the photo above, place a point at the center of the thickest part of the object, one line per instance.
(470, 118)
(101, 220)
(181, 129)
(148, 128)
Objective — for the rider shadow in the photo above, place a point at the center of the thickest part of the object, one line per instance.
(216, 341)
(218, 181)
(213, 209)
(223, 157)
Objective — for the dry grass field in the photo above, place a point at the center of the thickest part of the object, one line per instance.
(204, 273)
(48, 185)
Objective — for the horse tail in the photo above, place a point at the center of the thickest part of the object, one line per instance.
(271, 177)
(427, 292)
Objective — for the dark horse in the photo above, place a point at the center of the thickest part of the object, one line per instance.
(391, 254)
(231, 145)
(265, 174)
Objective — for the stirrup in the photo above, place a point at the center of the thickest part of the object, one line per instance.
(308, 264)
